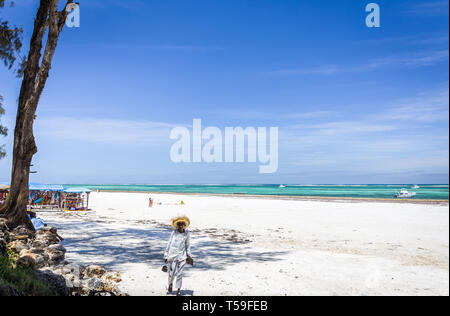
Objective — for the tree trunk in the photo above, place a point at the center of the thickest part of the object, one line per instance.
(33, 83)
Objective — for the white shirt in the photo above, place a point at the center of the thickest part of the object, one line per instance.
(179, 246)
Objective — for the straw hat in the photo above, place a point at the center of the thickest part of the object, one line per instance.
(178, 219)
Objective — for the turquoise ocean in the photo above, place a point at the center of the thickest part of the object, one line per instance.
(432, 192)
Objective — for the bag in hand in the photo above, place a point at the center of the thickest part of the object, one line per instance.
(165, 269)
(190, 261)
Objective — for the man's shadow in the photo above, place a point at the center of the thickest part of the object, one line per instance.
(183, 293)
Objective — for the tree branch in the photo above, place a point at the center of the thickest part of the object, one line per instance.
(34, 55)
(56, 21)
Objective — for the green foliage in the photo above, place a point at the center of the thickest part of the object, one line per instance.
(10, 45)
(2, 3)
(11, 256)
(22, 280)
(10, 41)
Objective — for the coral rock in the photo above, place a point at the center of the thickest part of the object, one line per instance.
(95, 284)
(18, 245)
(26, 259)
(112, 276)
(94, 271)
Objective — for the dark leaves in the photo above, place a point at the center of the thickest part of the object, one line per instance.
(3, 130)
(22, 67)
(10, 40)
(2, 3)
(10, 43)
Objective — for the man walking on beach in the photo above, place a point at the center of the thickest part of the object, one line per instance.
(178, 252)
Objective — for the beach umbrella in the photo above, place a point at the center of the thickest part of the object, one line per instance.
(45, 187)
(77, 190)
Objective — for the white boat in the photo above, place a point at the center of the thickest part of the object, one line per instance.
(282, 186)
(415, 187)
(404, 194)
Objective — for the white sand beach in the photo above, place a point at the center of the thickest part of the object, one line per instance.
(265, 246)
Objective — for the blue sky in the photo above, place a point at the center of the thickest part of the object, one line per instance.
(353, 104)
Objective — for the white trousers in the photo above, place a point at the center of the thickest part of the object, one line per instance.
(176, 272)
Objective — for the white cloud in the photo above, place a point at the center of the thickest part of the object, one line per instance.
(322, 70)
(346, 127)
(418, 60)
(312, 114)
(414, 39)
(187, 47)
(439, 7)
(422, 59)
(428, 107)
(432, 40)
(406, 136)
(104, 131)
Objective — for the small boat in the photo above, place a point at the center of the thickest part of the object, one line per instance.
(405, 194)
(415, 187)
(282, 186)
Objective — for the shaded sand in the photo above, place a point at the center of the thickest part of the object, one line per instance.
(252, 246)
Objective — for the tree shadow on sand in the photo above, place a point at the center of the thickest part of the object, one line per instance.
(98, 243)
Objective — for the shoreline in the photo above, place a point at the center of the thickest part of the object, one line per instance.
(293, 197)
